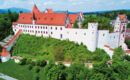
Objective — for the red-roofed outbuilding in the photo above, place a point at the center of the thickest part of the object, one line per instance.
(5, 55)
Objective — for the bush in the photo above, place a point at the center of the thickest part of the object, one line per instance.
(36, 77)
(36, 69)
(23, 61)
(28, 61)
(30, 67)
(41, 63)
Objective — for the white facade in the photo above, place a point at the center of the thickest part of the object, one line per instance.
(91, 37)
(5, 58)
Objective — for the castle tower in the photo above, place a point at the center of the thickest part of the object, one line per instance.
(120, 26)
(93, 31)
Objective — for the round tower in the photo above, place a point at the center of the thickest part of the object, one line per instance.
(93, 37)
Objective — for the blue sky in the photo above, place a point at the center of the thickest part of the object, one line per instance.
(71, 5)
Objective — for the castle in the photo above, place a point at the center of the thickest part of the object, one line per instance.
(60, 26)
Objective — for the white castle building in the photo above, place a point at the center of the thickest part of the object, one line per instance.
(60, 26)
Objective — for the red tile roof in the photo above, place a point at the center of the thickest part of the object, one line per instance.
(42, 18)
(69, 26)
(35, 9)
(4, 52)
(106, 46)
(110, 61)
(122, 17)
(73, 17)
(51, 18)
(25, 18)
(127, 51)
(111, 49)
(127, 29)
(13, 39)
(49, 10)
(14, 23)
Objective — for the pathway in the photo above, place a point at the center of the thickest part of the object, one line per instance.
(6, 77)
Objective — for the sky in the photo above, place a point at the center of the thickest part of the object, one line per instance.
(71, 5)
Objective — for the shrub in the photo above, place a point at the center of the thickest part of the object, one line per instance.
(36, 77)
(23, 61)
(28, 61)
(36, 69)
(30, 67)
(41, 63)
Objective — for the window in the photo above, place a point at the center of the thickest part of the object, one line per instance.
(51, 27)
(46, 27)
(51, 32)
(85, 34)
(56, 28)
(60, 28)
(46, 32)
(103, 34)
(61, 36)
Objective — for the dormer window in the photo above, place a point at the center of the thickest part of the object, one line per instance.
(45, 18)
(51, 18)
(23, 17)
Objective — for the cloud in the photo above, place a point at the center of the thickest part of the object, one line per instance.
(71, 5)
(48, 3)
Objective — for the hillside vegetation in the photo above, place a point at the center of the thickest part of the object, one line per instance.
(103, 22)
(112, 15)
(61, 50)
(27, 69)
(6, 24)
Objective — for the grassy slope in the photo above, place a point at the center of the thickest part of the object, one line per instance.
(14, 70)
(2, 79)
(32, 46)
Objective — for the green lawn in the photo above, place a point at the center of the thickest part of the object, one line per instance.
(16, 71)
(2, 79)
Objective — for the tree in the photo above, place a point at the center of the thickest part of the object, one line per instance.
(0, 48)
(58, 53)
(128, 26)
(76, 24)
(103, 22)
(119, 65)
(77, 72)
(128, 43)
(56, 72)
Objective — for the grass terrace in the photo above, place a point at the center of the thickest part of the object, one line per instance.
(16, 71)
(54, 49)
